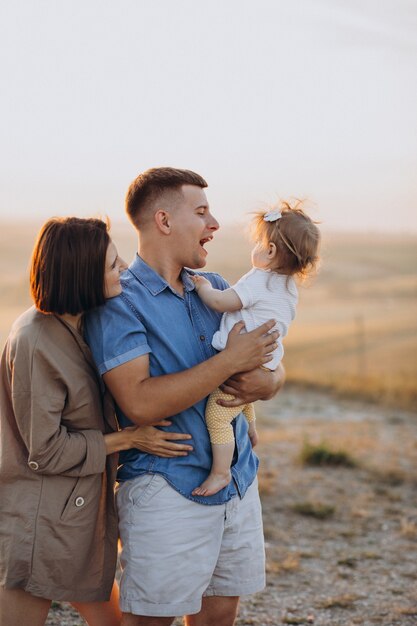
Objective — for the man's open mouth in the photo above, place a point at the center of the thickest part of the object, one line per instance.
(205, 240)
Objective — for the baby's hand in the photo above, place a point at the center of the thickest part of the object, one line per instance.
(200, 281)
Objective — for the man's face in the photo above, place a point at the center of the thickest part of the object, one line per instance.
(193, 226)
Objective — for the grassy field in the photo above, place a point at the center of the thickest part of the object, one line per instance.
(356, 326)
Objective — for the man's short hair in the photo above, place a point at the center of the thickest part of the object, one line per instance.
(68, 264)
(151, 186)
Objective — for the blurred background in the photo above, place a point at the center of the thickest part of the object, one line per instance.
(312, 99)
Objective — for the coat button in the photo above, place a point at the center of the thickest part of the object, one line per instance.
(33, 465)
(202, 337)
(79, 501)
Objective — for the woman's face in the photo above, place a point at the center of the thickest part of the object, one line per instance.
(114, 266)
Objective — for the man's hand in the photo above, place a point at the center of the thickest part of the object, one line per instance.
(258, 384)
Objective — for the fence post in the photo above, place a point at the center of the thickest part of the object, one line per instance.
(360, 345)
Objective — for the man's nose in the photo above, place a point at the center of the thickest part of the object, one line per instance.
(213, 223)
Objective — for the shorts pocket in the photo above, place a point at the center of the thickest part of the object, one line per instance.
(140, 490)
(136, 493)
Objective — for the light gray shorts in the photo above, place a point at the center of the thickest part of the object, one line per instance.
(175, 550)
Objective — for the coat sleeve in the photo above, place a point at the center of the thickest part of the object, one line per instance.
(38, 398)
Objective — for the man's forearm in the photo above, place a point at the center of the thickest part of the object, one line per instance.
(157, 397)
(146, 400)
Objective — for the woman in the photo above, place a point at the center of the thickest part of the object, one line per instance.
(59, 436)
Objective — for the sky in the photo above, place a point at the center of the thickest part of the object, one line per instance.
(266, 99)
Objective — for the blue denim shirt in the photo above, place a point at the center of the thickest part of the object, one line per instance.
(150, 317)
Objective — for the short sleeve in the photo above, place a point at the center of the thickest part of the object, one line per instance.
(115, 334)
(247, 288)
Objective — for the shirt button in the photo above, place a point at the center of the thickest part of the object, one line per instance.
(202, 337)
(33, 465)
(79, 501)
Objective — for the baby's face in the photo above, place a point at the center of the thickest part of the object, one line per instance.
(260, 255)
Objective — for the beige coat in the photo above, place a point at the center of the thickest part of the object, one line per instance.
(58, 524)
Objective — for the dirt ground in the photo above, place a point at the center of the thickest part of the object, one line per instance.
(341, 542)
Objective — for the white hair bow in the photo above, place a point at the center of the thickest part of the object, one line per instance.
(272, 216)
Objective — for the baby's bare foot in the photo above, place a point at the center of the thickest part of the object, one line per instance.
(213, 484)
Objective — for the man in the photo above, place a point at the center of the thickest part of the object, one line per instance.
(180, 554)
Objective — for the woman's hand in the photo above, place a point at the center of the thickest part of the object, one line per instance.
(148, 439)
(250, 350)
(154, 441)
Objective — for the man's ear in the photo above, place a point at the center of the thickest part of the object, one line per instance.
(272, 251)
(162, 221)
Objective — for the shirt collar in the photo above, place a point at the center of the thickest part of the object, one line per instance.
(153, 282)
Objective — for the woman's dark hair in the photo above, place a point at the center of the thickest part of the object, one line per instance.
(67, 266)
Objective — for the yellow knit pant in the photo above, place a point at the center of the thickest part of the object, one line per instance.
(219, 418)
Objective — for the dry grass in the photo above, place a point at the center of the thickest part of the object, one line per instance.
(409, 527)
(407, 611)
(344, 601)
(314, 509)
(289, 563)
(267, 480)
(388, 476)
(292, 619)
(323, 454)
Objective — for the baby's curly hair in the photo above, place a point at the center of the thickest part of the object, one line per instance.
(295, 235)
